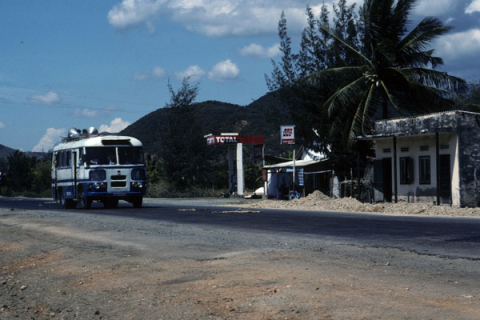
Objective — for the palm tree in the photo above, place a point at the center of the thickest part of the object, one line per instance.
(395, 74)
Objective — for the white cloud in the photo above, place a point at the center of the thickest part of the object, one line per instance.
(155, 74)
(474, 6)
(224, 71)
(435, 8)
(138, 76)
(133, 13)
(85, 113)
(115, 126)
(47, 142)
(450, 20)
(158, 73)
(257, 50)
(194, 73)
(459, 46)
(2, 125)
(48, 98)
(214, 18)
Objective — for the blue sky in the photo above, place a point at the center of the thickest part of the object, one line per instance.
(107, 63)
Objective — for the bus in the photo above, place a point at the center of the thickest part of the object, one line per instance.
(88, 166)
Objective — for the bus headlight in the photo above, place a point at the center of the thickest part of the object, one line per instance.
(98, 186)
(138, 174)
(98, 175)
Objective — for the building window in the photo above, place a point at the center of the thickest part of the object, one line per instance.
(424, 170)
(387, 150)
(424, 148)
(404, 149)
(444, 146)
(406, 170)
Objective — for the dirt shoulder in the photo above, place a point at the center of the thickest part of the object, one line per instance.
(319, 201)
(64, 265)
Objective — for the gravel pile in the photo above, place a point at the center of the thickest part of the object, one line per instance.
(319, 201)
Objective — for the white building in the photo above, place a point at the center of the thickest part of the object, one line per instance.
(433, 158)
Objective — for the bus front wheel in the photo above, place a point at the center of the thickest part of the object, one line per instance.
(137, 202)
(66, 203)
(85, 202)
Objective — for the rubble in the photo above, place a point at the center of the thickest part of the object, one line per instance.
(319, 201)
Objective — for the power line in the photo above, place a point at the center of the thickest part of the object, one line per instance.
(61, 105)
(82, 97)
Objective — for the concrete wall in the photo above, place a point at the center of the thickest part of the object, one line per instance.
(459, 129)
(414, 191)
(469, 157)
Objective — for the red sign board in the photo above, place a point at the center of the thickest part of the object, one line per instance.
(287, 135)
(232, 139)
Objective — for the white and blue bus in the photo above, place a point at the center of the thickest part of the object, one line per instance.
(88, 166)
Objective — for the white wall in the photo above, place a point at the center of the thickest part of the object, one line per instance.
(274, 179)
(415, 188)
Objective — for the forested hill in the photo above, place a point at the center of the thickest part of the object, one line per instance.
(262, 117)
(5, 151)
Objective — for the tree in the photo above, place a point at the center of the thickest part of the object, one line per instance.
(345, 27)
(185, 96)
(283, 75)
(42, 178)
(325, 39)
(20, 174)
(470, 101)
(309, 59)
(394, 74)
(184, 157)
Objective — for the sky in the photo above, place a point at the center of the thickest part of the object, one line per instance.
(106, 64)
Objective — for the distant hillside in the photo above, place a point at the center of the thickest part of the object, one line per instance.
(6, 151)
(262, 117)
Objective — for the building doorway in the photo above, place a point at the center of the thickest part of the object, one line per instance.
(445, 180)
(387, 179)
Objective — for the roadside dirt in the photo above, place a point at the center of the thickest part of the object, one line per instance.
(319, 201)
(85, 266)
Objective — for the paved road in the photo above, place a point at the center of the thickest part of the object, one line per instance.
(449, 238)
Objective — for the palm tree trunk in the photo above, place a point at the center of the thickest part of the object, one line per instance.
(385, 109)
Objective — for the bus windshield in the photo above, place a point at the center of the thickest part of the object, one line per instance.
(101, 155)
(130, 155)
(108, 155)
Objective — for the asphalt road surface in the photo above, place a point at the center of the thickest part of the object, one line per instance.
(446, 237)
(214, 259)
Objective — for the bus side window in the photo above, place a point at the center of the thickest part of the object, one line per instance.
(55, 160)
(67, 160)
(60, 159)
(80, 157)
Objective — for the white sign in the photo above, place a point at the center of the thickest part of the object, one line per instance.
(287, 134)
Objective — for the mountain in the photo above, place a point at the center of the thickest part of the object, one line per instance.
(6, 151)
(261, 117)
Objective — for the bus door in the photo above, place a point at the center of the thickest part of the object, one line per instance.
(74, 173)
(55, 166)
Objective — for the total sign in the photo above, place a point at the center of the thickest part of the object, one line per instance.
(222, 140)
(287, 134)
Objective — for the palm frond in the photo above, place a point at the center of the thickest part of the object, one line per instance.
(370, 108)
(436, 79)
(390, 97)
(345, 97)
(415, 97)
(337, 75)
(334, 35)
(419, 40)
